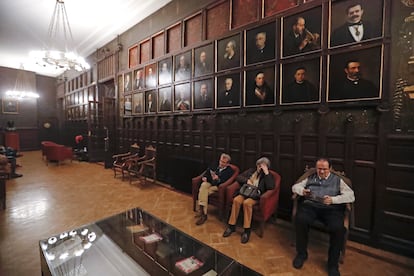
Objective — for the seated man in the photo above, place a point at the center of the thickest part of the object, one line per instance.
(212, 178)
(324, 194)
(259, 177)
(11, 156)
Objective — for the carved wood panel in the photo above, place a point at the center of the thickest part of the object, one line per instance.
(218, 20)
(193, 30)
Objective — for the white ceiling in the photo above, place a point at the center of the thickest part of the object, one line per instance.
(24, 26)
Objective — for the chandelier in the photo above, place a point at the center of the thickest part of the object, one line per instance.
(59, 30)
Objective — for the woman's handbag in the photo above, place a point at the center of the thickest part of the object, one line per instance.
(250, 191)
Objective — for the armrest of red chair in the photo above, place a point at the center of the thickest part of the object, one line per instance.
(231, 190)
(270, 199)
(222, 188)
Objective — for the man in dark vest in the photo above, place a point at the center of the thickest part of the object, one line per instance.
(324, 196)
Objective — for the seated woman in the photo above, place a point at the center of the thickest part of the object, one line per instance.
(259, 177)
(11, 155)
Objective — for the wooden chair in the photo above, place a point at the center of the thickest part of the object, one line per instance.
(318, 224)
(217, 199)
(139, 168)
(122, 161)
(267, 206)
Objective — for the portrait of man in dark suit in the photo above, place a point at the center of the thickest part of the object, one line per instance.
(203, 60)
(183, 66)
(164, 71)
(164, 99)
(127, 82)
(358, 23)
(128, 106)
(151, 75)
(228, 53)
(150, 101)
(259, 88)
(203, 94)
(355, 75)
(182, 97)
(300, 82)
(260, 43)
(137, 103)
(139, 79)
(301, 33)
(228, 91)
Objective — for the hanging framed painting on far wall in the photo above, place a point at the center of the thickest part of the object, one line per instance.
(10, 106)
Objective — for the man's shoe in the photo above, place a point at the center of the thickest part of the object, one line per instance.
(201, 220)
(245, 237)
(16, 175)
(333, 271)
(228, 232)
(298, 261)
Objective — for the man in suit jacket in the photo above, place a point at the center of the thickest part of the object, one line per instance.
(212, 178)
(354, 30)
(230, 96)
(204, 99)
(300, 89)
(354, 86)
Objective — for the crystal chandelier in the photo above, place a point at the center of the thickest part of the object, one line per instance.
(52, 56)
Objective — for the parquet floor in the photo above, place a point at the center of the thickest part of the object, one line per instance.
(52, 199)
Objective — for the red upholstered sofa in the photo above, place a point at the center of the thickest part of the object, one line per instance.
(55, 152)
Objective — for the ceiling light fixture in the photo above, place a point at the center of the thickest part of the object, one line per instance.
(59, 31)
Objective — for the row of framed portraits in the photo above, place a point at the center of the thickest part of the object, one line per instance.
(351, 76)
(301, 33)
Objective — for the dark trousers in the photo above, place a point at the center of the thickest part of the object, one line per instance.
(12, 162)
(332, 216)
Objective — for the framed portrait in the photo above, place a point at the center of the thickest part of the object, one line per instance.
(128, 82)
(137, 103)
(182, 66)
(139, 79)
(272, 7)
(301, 32)
(182, 97)
(164, 71)
(10, 106)
(228, 53)
(128, 106)
(151, 101)
(203, 94)
(151, 75)
(355, 75)
(355, 22)
(165, 99)
(300, 82)
(260, 43)
(133, 56)
(203, 60)
(259, 88)
(228, 91)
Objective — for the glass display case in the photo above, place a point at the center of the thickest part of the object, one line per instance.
(133, 243)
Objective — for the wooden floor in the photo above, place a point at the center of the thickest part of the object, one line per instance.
(52, 199)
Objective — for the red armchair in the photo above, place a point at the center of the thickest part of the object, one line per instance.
(216, 199)
(56, 152)
(267, 205)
